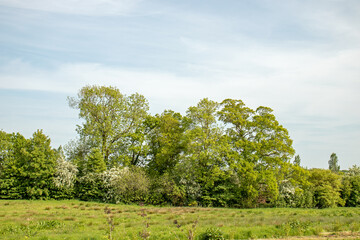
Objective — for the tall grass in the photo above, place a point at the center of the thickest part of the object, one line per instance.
(70, 219)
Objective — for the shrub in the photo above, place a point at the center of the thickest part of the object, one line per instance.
(212, 234)
(164, 190)
(326, 186)
(90, 187)
(125, 185)
(64, 179)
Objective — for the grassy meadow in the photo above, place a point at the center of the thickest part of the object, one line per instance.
(71, 219)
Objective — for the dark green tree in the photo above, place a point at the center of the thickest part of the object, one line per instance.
(95, 162)
(351, 187)
(166, 141)
(28, 166)
(297, 160)
(333, 163)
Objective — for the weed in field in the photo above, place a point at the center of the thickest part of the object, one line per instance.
(212, 234)
(318, 230)
(192, 230)
(110, 220)
(144, 234)
(337, 227)
(294, 228)
(355, 227)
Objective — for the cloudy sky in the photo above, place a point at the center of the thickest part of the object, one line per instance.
(299, 57)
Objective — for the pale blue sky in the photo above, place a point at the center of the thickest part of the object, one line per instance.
(299, 57)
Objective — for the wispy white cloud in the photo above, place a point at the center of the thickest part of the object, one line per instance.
(300, 58)
(83, 7)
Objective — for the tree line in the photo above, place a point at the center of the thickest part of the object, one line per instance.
(218, 154)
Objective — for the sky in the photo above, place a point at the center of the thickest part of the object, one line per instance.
(299, 57)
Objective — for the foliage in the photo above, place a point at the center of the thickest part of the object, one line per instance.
(64, 178)
(333, 163)
(297, 160)
(165, 190)
(90, 187)
(94, 162)
(212, 234)
(219, 154)
(206, 148)
(326, 187)
(129, 184)
(350, 192)
(166, 141)
(28, 166)
(111, 120)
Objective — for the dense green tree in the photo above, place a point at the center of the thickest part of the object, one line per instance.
(95, 162)
(354, 171)
(245, 181)
(10, 147)
(167, 141)
(164, 190)
(297, 160)
(110, 119)
(326, 186)
(207, 148)
(28, 166)
(351, 187)
(256, 137)
(333, 163)
(36, 167)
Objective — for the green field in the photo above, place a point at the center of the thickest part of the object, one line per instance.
(71, 219)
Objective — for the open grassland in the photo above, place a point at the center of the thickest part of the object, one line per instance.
(71, 219)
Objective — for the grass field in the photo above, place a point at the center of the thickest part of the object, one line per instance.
(71, 219)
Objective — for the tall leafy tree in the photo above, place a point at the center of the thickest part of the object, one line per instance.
(297, 160)
(10, 147)
(333, 163)
(351, 187)
(166, 141)
(95, 162)
(36, 167)
(110, 120)
(206, 149)
(327, 188)
(28, 167)
(256, 137)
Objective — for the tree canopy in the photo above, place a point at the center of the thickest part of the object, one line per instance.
(217, 154)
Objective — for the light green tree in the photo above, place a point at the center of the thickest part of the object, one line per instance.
(326, 186)
(256, 137)
(111, 121)
(206, 149)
